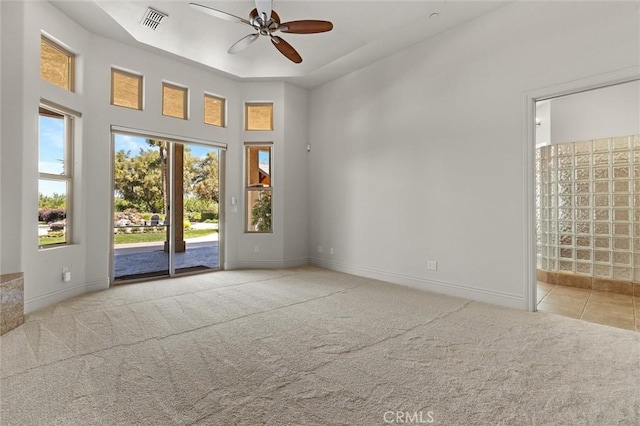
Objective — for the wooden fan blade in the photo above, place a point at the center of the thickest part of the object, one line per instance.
(219, 14)
(306, 27)
(286, 49)
(243, 43)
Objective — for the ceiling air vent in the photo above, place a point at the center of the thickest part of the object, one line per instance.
(152, 18)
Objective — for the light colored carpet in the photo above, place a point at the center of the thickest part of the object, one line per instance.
(310, 346)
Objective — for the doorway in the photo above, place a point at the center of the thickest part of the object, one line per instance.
(166, 207)
(587, 198)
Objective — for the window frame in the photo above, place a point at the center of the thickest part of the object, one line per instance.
(247, 106)
(248, 189)
(71, 58)
(67, 177)
(223, 113)
(140, 79)
(185, 108)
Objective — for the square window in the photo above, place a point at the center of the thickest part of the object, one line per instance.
(57, 65)
(258, 116)
(214, 110)
(174, 101)
(126, 89)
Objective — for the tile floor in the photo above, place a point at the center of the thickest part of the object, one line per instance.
(616, 310)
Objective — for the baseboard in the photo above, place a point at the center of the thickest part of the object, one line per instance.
(39, 302)
(450, 289)
(98, 285)
(267, 264)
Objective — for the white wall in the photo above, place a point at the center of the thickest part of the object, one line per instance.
(296, 180)
(605, 112)
(2, 49)
(88, 257)
(21, 91)
(11, 136)
(419, 156)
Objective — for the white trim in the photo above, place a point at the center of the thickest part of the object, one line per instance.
(55, 107)
(165, 136)
(603, 80)
(99, 285)
(38, 302)
(450, 289)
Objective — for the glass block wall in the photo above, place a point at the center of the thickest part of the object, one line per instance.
(588, 207)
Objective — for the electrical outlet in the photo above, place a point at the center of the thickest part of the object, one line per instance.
(432, 265)
(256, 249)
(331, 250)
(319, 249)
(66, 274)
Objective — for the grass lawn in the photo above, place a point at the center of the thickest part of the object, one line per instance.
(49, 241)
(137, 238)
(149, 238)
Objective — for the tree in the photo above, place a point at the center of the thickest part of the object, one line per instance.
(205, 178)
(164, 171)
(55, 201)
(261, 212)
(141, 180)
(138, 180)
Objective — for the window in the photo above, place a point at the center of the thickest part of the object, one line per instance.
(174, 101)
(54, 177)
(258, 116)
(258, 186)
(57, 65)
(126, 89)
(214, 110)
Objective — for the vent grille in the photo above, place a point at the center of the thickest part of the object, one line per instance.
(152, 18)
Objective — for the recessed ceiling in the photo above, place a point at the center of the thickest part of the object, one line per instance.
(364, 32)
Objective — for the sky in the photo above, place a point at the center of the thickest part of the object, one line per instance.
(51, 154)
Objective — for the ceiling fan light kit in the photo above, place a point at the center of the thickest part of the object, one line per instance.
(265, 21)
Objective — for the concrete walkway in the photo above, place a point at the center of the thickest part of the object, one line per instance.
(137, 260)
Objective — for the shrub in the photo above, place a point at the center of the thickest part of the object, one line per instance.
(194, 216)
(208, 216)
(53, 234)
(186, 224)
(51, 215)
(121, 205)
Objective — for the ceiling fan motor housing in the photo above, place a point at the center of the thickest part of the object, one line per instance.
(265, 27)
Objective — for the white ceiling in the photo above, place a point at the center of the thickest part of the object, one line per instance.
(364, 32)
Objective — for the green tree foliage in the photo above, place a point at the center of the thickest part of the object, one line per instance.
(55, 201)
(140, 180)
(197, 204)
(261, 212)
(205, 178)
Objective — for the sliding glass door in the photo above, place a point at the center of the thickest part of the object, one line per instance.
(165, 207)
(196, 244)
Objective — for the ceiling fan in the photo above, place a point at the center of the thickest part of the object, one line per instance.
(265, 21)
